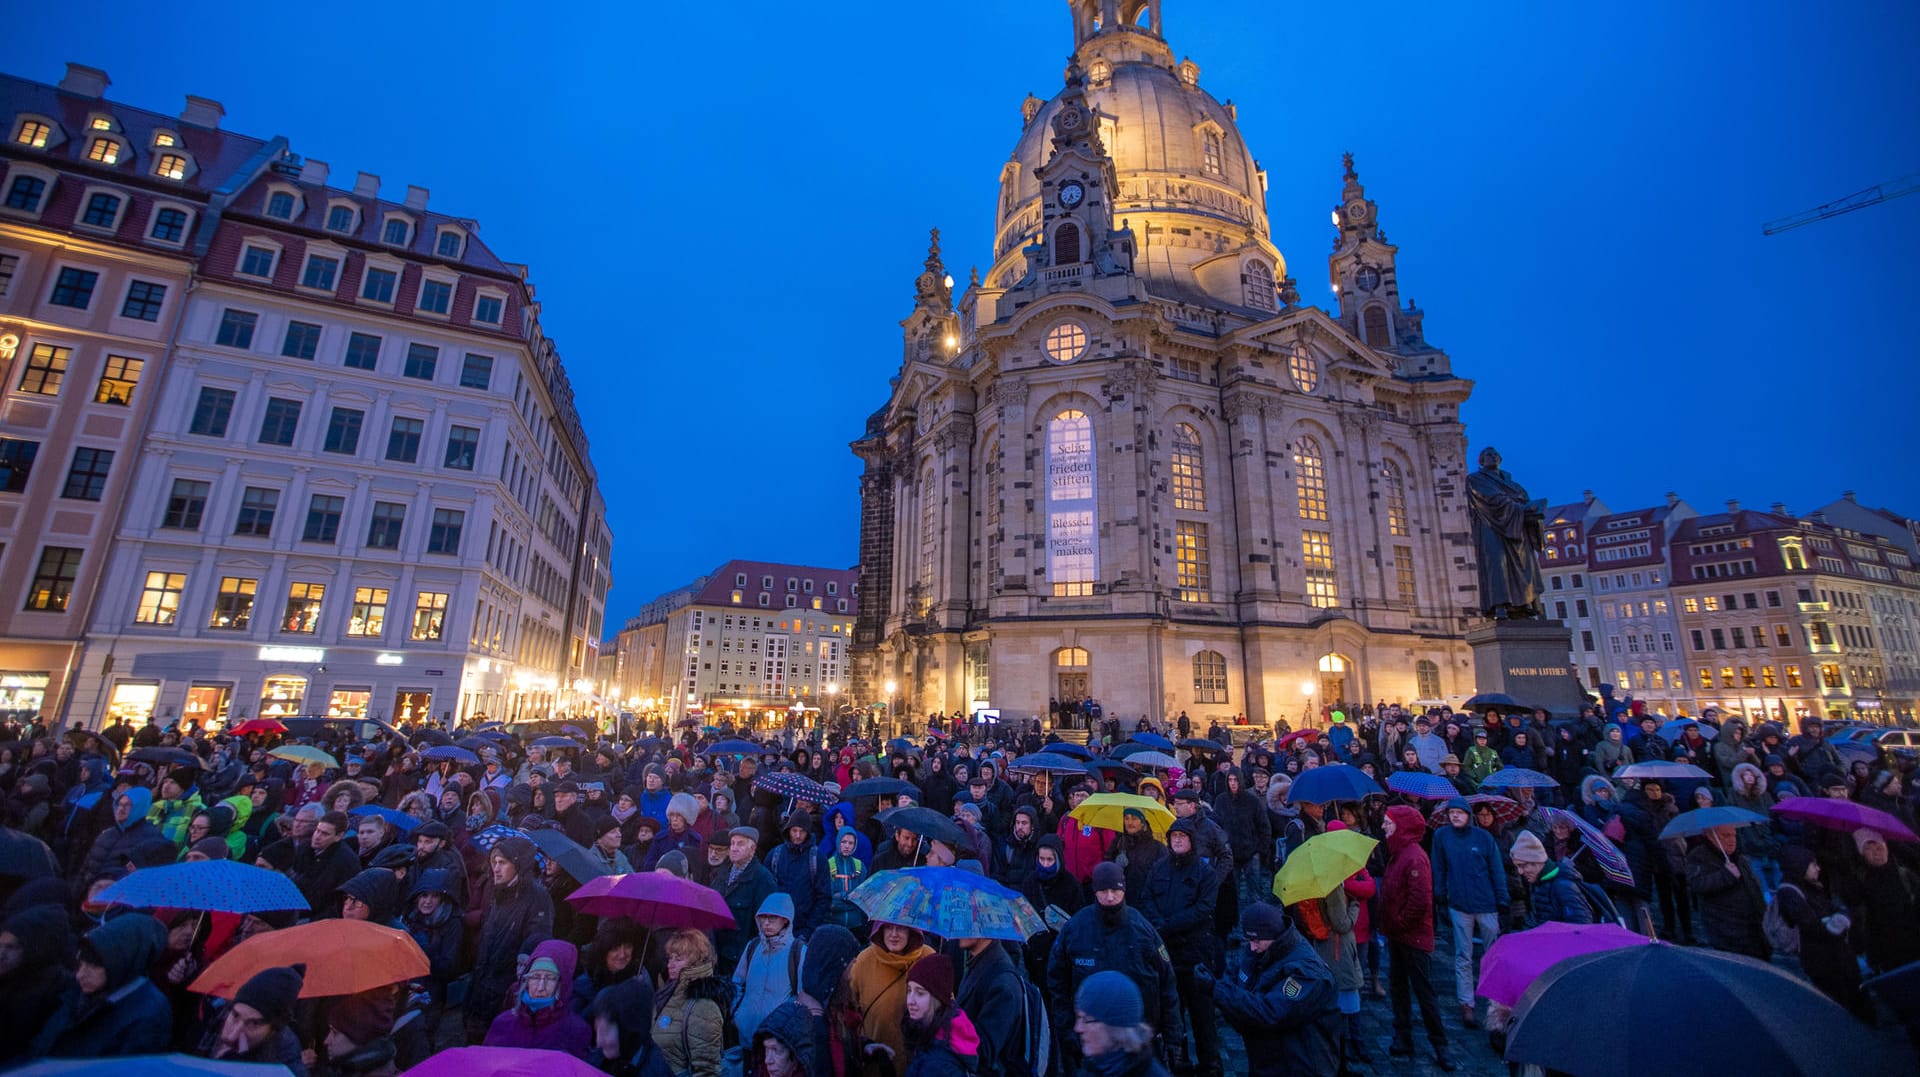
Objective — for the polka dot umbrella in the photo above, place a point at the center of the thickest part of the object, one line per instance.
(206, 886)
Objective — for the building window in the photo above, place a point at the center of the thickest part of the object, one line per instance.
(1072, 541)
(323, 518)
(1192, 561)
(363, 351)
(343, 431)
(487, 309)
(236, 329)
(340, 219)
(1403, 578)
(53, 580)
(1316, 555)
(444, 535)
(421, 360)
(383, 531)
(1374, 327)
(1793, 676)
(1189, 471)
(257, 506)
(320, 273)
(1209, 677)
(1210, 152)
(1829, 675)
(281, 421)
(44, 370)
(1310, 476)
(395, 232)
(369, 614)
(33, 133)
(171, 166)
(25, 193)
(280, 205)
(1256, 285)
(303, 607)
(303, 340)
(160, 598)
(118, 378)
(102, 210)
(449, 245)
(169, 225)
(87, 475)
(1396, 485)
(144, 299)
(1066, 244)
(257, 261)
(403, 439)
(379, 285)
(1426, 676)
(211, 412)
(185, 503)
(463, 445)
(74, 288)
(435, 296)
(429, 616)
(476, 371)
(233, 606)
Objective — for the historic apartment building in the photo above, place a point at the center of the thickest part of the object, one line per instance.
(358, 486)
(1131, 464)
(1568, 598)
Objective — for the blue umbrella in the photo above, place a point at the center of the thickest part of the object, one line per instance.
(1701, 820)
(1122, 751)
(1153, 740)
(1518, 778)
(1418, 783)
(405, 823)
(788, 784)
(1048, 763)
(952, 903)
(450, 751)
(207, 886)
(1661, 769)
(735, 746)
(1672, 730)
(880, 787)
(1337, 782)
(150, 1066)
(902, 746)
(572, 857)
(556, 742)
(1067, 747)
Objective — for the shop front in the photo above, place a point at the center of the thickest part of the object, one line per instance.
(349, 701)
(282, 696)
(23, 692)
(133, 702)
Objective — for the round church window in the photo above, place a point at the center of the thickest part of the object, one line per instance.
(1066, 342)
(1304, 368)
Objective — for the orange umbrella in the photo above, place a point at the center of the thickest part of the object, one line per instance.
(343, 957)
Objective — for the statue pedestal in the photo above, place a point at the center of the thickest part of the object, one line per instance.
(1528, 661)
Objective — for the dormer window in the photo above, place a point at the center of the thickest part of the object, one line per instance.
(396, 231)
(100, 123)
(165, 139)
(1256, 282)
(487, 308)
(102, 210)
(280, 205)
(33, 133)
(340, 218)
(450, 243)
(1210, 152)
(170, 166)
(104, 150)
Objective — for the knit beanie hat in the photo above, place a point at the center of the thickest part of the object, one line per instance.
(1108, 875)
(1263, 920)
(674, 861)
(211, 848)
(934, 973)
(1112, 999)
(273, 992)
(1527, 849)
(1865, 835)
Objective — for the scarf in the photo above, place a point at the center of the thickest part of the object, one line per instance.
(622, 816)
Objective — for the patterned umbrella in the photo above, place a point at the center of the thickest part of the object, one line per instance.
(501, 1062)
(654, 900)
(1612, 862)
(788, 784)
(1047, 763)
(1420, 784)
(485, 840)
(400, 820)
(453, 752)
(207, 886)
(304, 753)
(1518, 778)
(1505, 810)
(948, 902)
(343, 957)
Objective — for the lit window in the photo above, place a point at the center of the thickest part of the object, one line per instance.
(1403, 577)
(1066, 342)
(1316, 554)
(1304, 368)
(1209, 677)
(165, 139)
(104, 150)
(171, 166)
(1396, 498)
(53, 581)
(429, 616)
(33, 133)
(233, 606)
(100, 123)
(160, 598)
(44, 370)
(303, 606)
(169, 225)
(1189, 473)
(1426, 676)
(1311, 480)
(1072, 543)
(369, 614)
(1210, 152)
(1193, 569)
(1256, 284)
(280, 205)
(117, 380)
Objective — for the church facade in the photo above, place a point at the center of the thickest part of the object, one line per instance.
(1130, 464)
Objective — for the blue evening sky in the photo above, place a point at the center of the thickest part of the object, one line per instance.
(724, 206)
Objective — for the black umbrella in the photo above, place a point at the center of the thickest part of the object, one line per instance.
(572, 857)
(1203, 746)
(925, 822)
(432, 736)
(1067, 747)
(1132, 747)
(1717, 1013)
(880, 787)
(164, 757)
(23, 856)
(1496, 701)
(555, 742)
(86, 740)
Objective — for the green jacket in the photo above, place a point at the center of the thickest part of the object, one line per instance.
(1479, 763)
(172, 817)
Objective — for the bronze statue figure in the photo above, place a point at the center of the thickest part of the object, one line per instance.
(1507, 538)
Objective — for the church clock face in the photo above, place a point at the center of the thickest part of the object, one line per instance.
(1368, 278)
(1071, 193)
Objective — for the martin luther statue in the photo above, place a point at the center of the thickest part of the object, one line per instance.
(1507, 539)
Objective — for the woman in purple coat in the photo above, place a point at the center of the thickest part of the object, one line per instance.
(542, 1015)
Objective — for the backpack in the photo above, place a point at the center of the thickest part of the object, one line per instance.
(793, 965)
(1782, 936)
(1036, 1043)
(1602, 906)
(1311, 916)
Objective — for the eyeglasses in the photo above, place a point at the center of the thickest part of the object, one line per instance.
(542, 978)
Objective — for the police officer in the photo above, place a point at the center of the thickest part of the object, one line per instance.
(1279, 994)
(1181, 891)
(1110, 934)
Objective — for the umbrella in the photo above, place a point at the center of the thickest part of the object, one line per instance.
(167, 757)
(304, 753)
(1662, 770)
(453, 752)
(575, 730)
(1203, 746)
(1900, 990)
(654, 900)
(343, 957)
(902, 746)
(399, 820)
(555, 742)
(1764, 1020)
(501, 1062)
(880, 787)
(23, 856)
(1113, 768)
(1128, 750)
(1048, 763)
(1515, 961)
(925, 822)
(485, 840)
(207, 886)
(1321, 864)
(1672, 730)
(1296, 735)
(788, 784)
(573, 858)
(1156, 760)
(1337, 782)
(1843, 815)
(1067, 748)
(1613, 863)
(1152, 740)
(1420, 784)
(1701, 820)
(1518, 778)
(150, 1066)
(1506, 810)
(949, 902)
(1496, 701)
(1108, 812)
(266, 726)
(736, 746)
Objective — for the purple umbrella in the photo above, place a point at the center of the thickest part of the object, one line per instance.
(1418, 783)
(1843, 815)
(1605, 853)
(501, 1062)
(1514, 961)
(654, 900)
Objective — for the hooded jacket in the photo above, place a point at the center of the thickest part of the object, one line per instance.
(554, 1027)
(800, 872)
(792, 1025)
(129, 1015)
(438, 934)
(765, 977)
(31, 993)
(689, 1024)
(379, 890)
(521, 912)
(1469, 874)
(1084, 847)
(119, 838)
(1181, 891)
(1406, 892)
(954, 1052)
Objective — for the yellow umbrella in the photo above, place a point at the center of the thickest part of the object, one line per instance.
(1107, 811)
(304, 753)
(1321, 864)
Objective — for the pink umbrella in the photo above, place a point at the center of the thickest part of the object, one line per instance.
(654, 899)
(501, 1062)
(1843, 815)
(1514, 961)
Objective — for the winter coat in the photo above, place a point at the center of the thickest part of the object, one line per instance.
(1092, 941)
(877, 989)
(744, 896)
(520, 911)
(554, 1027)
(129, 1015)
(31, 993)
(689, 1022)
(766, 975)
(1244, 817)
(1084, 848)
(118, 839)
(1406, 892)
(1137, 853)
(1285, 1007)
(1730, 907)
(955, 1051)
(789, 1023)
(1824, 954)
(993, 994)
(800, 872)
(174, 816)
(1610, 755)
(1556, 897)
(1754, 840)
(1468, 874)
(438, 935)
(1884, 903)
(319, 874)
(1340, 949)
(1181, 891)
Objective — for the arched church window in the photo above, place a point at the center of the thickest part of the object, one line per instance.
(1303, 368)
(1310, 476)
(929, 529)
(1426, 675)
(1373, 327)
(1256, 281)
(1072, 541)
(1210, 151)
(1396, 485)
(1209, 677)
(1189, 472)
(1066, 244)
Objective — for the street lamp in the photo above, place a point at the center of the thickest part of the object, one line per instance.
(892, 687)
(1306, 689)
(833, 709)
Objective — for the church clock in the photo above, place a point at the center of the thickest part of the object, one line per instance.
(1367, 277)
(1071, 193)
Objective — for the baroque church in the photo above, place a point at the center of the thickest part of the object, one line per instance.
(1131, 465)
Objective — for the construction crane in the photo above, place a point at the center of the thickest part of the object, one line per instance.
(1872, 196)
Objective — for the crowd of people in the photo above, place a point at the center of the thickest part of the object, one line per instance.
(1159, 929)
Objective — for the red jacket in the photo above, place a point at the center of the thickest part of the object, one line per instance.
(1360, 887)
(1406, 896)
(1086, 847)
